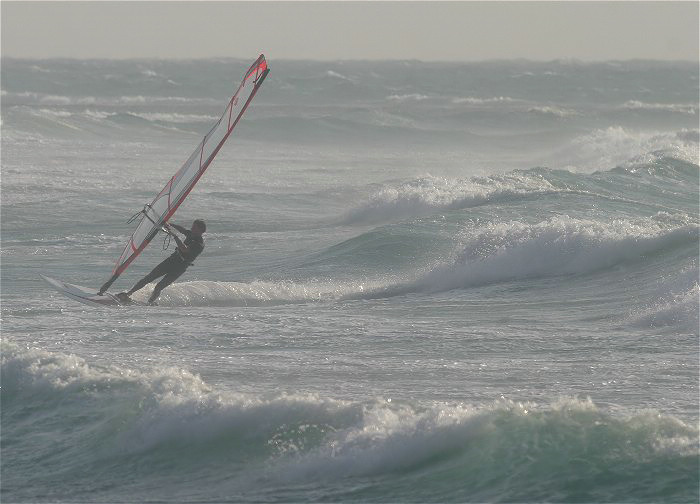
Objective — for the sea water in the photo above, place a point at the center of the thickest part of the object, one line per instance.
(422, 282)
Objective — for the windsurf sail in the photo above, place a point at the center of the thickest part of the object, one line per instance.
(156, 213)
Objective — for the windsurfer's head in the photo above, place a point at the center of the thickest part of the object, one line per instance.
(199, 226)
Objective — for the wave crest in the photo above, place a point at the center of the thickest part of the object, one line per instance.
(505, 450)
(428, 194)
(560, 245)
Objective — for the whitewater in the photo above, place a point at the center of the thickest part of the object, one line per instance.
(422, 282)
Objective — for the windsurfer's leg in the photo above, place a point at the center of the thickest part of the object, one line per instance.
(158, 271)
(165, 281)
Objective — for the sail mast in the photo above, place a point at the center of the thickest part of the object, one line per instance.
(164, 205)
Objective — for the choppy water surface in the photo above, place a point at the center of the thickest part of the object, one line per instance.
(421, 282)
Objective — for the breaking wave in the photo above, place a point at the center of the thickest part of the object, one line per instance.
(665, 107)
(174, 424)
(487, 254)
(615, 146)
(676, 303)
(428, 194)
(561, 245)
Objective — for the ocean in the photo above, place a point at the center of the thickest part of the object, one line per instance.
(422, 282)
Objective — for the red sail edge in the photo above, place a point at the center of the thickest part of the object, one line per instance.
(181, 184)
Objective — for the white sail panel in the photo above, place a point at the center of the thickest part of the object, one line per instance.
(155, 214)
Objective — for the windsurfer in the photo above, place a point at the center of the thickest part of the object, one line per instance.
(176, 264)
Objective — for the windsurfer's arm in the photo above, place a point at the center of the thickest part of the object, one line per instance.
(179, 228)
(181, 246)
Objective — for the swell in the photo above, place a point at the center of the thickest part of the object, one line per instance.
(644, 182)
(167, 423)
(599, 254)
(561, 245)
(428, 194)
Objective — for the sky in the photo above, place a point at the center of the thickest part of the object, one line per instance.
(319, 30)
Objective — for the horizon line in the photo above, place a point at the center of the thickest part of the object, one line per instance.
(351, 60)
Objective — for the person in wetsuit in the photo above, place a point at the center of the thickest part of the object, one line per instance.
(175, 265)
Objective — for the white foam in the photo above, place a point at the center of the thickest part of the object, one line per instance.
(677, 303)
(33, 98)
(407, 97)
(307, 436)
(680, 108)
(98, 115)
(257, 293)
(603, 149)
(43, 112)
(551, 110)
(560, 245)
(158, 406)
(427, 194)
(55, 100)
(677, 309)
(483, 101)
(174, 117)
(336, 75)
(392, 438)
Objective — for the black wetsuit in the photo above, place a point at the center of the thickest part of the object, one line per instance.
(174, 266)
